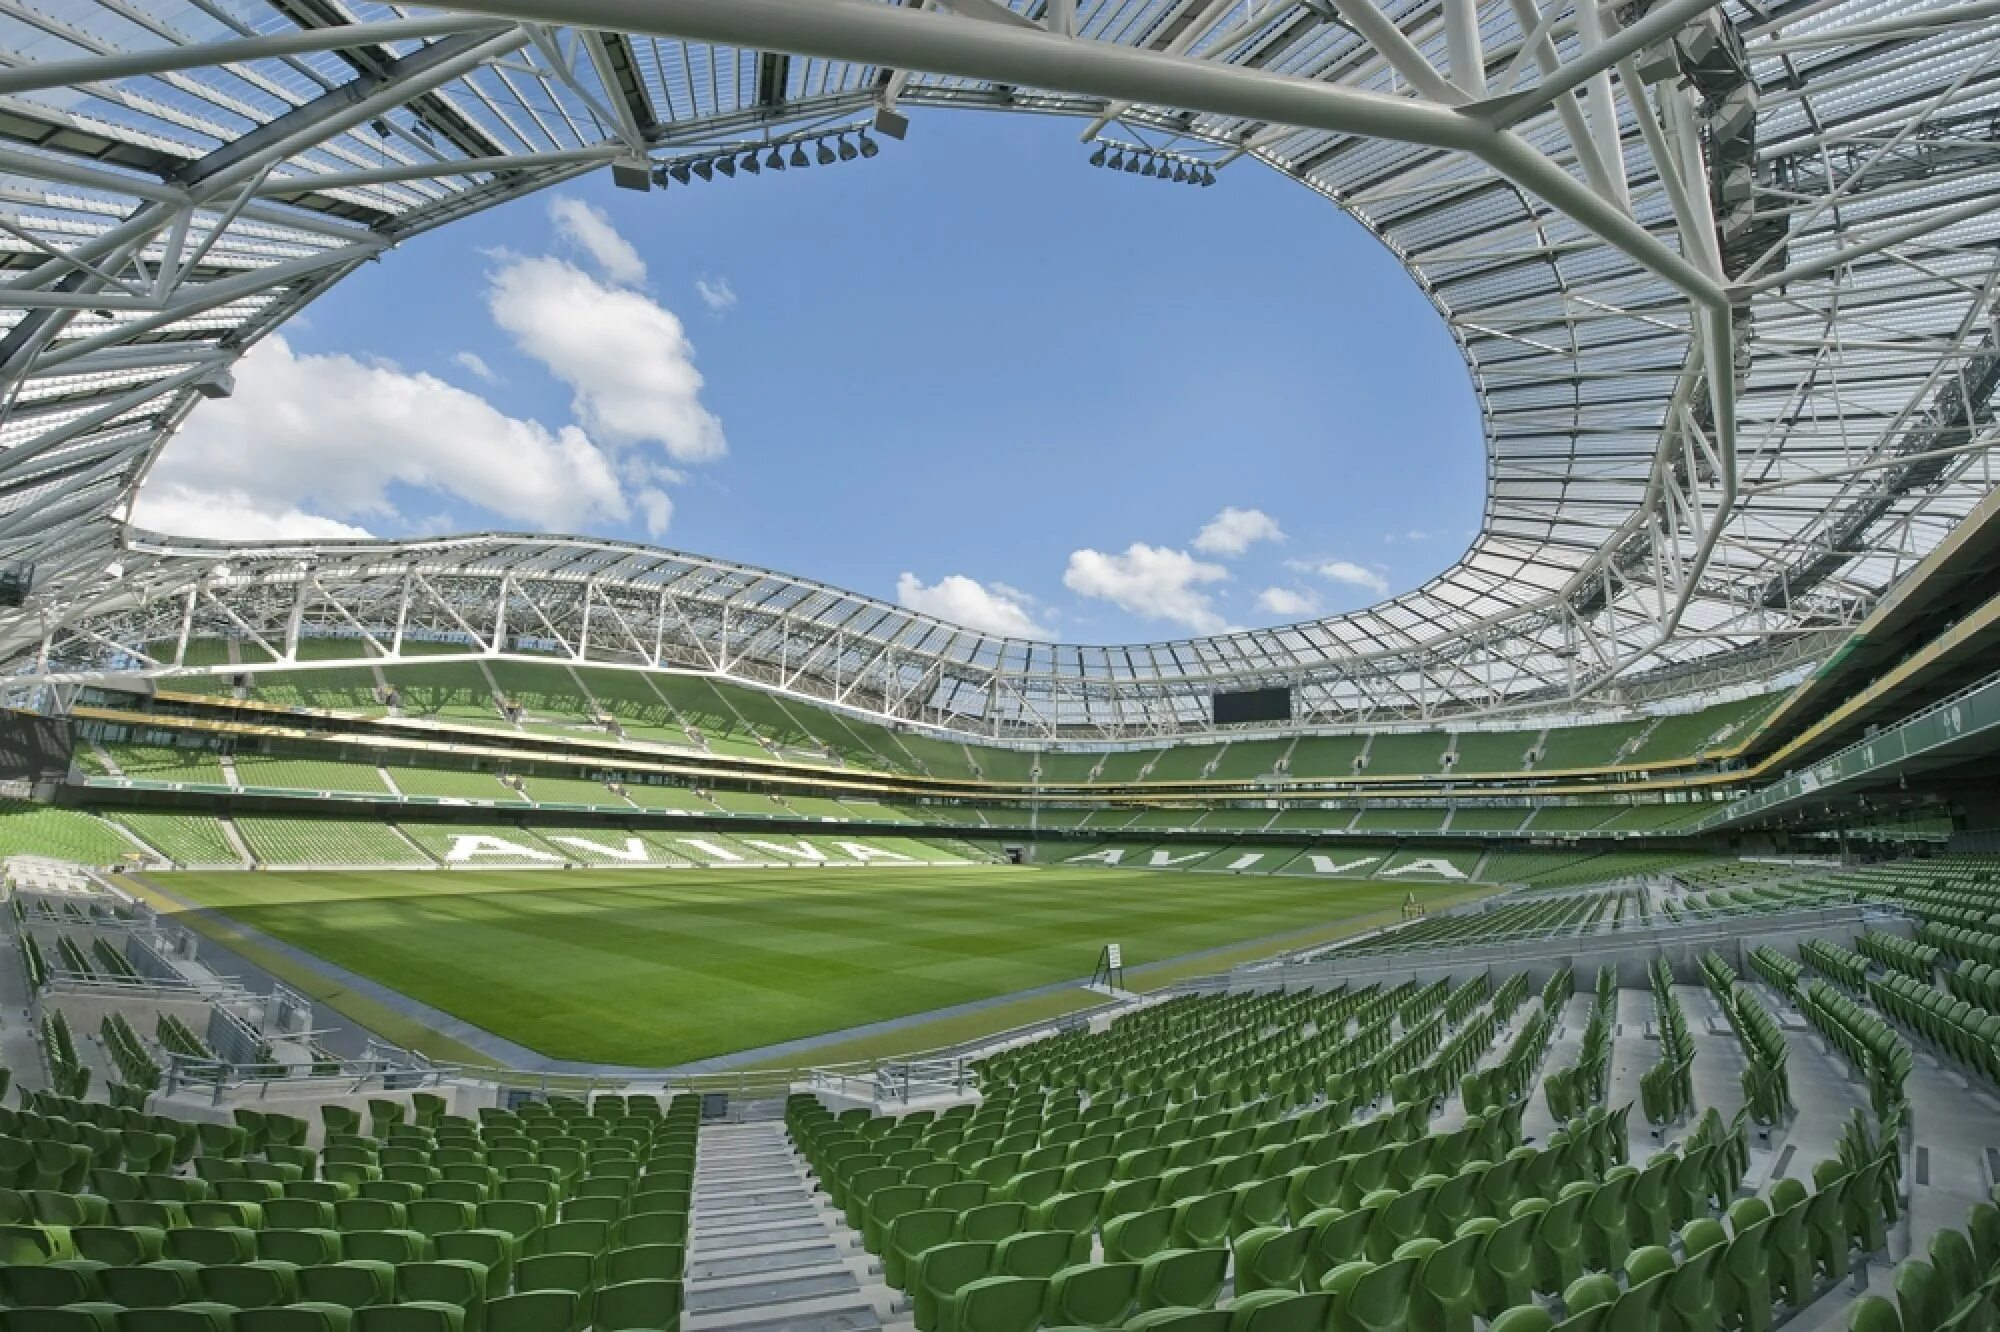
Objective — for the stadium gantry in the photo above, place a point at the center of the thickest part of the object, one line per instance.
(1603, 936)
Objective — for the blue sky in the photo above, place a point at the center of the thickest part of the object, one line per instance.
(975, 374)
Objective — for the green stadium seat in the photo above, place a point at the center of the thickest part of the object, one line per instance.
(644, 1305)
(1182, 1278)
(350, 1283)
(1093, 1294)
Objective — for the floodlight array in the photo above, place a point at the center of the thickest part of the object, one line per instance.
(826, 148)
(1154, 163)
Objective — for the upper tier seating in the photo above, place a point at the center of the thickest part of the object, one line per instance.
(288, 773)
(173, 765)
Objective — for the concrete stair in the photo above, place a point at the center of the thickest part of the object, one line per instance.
(765, 1251)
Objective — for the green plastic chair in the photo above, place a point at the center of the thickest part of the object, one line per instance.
(48, 1285)
(84, 1316)
(1039, 1253)
(1523, 1318)
(119, 1246)
(1507, 1263)
(1203, 1222)
(1447, 1289)
(301, 1248)
(1379, 1300)
(351, 1283)
(644, 1262)
(1074, 1212)
(1919, 1296)
(305, 1317)
(1093, 1294)
(154, 1285)
(910, 1235)
(1559, 1243)
(253, 1285)
(940, 1272)
(1744, 1277)
(1826, 1229)
(212, 1248)
(994, 1221)
(1872, 1313)
(1271, 1258)
(1138, 1235)
(995, 1304)
(1182, 1278)
(1957, 1270)
(1179, 1320)
(1280, 1311)
(429, 1317)
(1691, 1295)
(194, 1316)
(647, 1305)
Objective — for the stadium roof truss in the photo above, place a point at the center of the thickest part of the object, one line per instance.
(1723, 275)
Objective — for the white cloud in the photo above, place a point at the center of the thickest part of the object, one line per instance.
(231, 515)
(626, 357)
(1235, 530)
(1354, 575)
(715, 293)
(475, 364)
(656, 506)
(1288, 602)
(333, 434)
(995, 608)
(589, 229)
(1150, 581)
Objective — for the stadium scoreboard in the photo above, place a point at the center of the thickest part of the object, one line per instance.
(1253, 705)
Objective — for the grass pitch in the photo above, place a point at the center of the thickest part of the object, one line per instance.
(631, 967)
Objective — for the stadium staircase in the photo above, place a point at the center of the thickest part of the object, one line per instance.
(765, 1251)
(231, 835)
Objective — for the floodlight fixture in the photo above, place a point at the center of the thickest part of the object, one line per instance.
(1117, 161)
(726, 165)
(824, 154)
(1132, 164)
(1180, 173)
(632, 173)
(679, 171)
(798, 157)
(847, 153)
(776, 161)
(706, 170)
(1150, 169)
(1097, 158)
(868, 148)
(750, 162)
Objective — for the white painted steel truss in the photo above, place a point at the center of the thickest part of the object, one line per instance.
(1724, 276)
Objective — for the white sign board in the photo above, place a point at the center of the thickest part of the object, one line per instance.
(1113, 958)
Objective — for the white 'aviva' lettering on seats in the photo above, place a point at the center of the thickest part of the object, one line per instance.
(801, 850)
(1444, 869)
(1325, 865)
(1110, 855)
(469, 846)
(863, 852)
(634, 852)
(1167, 859)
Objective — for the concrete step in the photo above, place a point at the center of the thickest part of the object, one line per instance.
(766, 1251)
